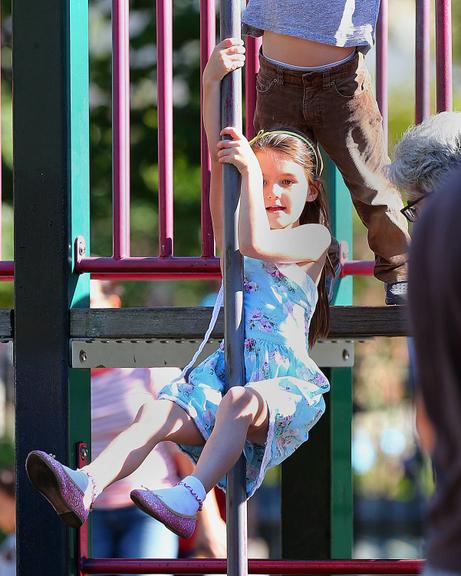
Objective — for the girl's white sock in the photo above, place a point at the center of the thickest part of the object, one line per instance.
(78, 477)
(86, 484)
(180, 498)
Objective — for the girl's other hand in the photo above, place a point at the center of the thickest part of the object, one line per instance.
(228, 55)
(236, 151)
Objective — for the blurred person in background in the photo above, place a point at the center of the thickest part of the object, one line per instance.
(435, 315)
(424, 156)
(120, 529)
(7, 522)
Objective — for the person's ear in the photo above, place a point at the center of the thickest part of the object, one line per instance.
(314, 190)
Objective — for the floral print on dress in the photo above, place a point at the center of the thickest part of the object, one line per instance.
(277, 313)
(249, 286)
(261, 321)
(280, 278)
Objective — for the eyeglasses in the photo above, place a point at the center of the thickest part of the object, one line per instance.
(410, 212)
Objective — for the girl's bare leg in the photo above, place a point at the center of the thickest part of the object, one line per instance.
(242, 414)
(156, 421)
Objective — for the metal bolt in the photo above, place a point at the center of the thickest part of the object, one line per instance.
(83, 356)
(346, 355)
(84, 453)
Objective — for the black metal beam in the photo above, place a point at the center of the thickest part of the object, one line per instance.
(42, 268)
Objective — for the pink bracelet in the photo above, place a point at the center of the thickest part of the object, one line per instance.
(194, 494)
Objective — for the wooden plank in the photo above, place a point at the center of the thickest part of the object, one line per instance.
(365, 321)
(192, 322)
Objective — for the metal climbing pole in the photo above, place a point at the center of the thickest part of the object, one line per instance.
(231, 115)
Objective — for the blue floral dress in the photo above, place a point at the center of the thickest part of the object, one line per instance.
(279, 301)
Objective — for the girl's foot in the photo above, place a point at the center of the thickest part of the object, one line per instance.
(70, 492)
(175, 507)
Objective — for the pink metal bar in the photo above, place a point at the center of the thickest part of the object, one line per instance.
(150, 267)
(82, 533)
(444, 55)
(165, 124)
(422, 44)
(218, 566)
(353, 267)
(251, 70)
(207, 42)
(6, 270)
(357, 268)
(121, 127)
(382, 34)
(1, 186)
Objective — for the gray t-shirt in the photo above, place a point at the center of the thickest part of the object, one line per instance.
(337, 22)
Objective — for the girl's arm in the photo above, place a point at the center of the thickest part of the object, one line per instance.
(227, 56)
(304, 243)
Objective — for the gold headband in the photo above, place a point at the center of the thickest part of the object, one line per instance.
(318, 168)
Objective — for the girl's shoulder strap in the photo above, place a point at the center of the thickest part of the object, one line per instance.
(211, 325)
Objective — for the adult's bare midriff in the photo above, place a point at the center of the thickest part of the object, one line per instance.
(301, 52)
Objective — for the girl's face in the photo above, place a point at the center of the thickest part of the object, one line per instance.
(286, 189)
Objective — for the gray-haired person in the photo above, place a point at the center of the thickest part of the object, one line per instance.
(424, 156)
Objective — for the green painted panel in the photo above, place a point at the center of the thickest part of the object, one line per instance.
(341, 512)
(78, 149)
(341, 473)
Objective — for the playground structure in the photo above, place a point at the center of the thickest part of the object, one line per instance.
(52, 270)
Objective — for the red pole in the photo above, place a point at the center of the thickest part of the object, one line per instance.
(422, 44)
(218, 566)
(444, 55)
(165, 124)
(150, 267)
(82, 532)
(207, 42)
(253, 46)
(121, 127)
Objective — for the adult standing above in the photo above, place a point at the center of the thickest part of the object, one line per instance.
(313, 78)
(435, 313)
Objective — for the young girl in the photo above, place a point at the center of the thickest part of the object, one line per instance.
(284, 238)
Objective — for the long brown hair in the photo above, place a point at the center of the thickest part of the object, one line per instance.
(316, 212)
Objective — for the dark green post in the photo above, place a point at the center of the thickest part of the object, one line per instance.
(51, 186)
(341, 508)
(317, 479)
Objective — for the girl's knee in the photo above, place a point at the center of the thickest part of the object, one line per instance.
(151, 411)
(240, 401)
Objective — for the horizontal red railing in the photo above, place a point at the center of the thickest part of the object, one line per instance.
(218, 566)
(6, 270)
(150, 267)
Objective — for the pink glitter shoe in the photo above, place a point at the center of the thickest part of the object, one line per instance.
(151, 504)
(49, 477)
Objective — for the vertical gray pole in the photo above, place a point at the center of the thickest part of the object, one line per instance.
(231, 115)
